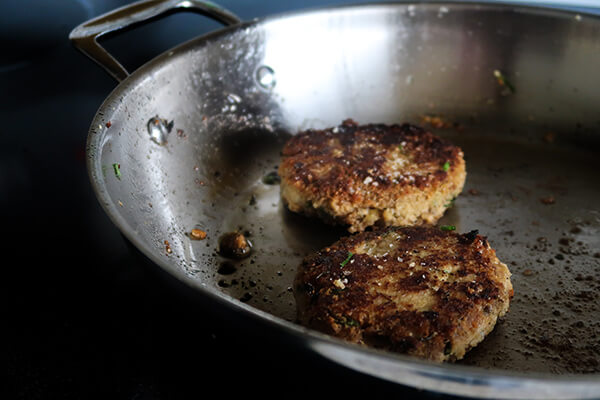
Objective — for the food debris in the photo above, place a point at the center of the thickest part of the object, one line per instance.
(502, 81)
(339, 284)
(439, 122)
(446, 166)
(108, 124)
(448, 227)
(168, 247)
(272, 178)
(197, 234)
(343, 263)
(474, 192)
(157, 121)
(549, 137)
(435, 121)
(548, 200)
(528, 272)
(235, 245)
(117, 169)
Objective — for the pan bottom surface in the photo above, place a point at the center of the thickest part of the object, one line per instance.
(537, 203)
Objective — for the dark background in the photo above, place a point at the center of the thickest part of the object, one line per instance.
(85, 316)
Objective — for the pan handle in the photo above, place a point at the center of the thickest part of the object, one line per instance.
(85, 36)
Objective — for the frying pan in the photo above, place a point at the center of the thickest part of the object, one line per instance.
(184, 143)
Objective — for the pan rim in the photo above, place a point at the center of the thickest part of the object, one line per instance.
(491, 379)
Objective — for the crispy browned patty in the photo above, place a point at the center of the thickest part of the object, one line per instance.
(415, 290)
(371, 175)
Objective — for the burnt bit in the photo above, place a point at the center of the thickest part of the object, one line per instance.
(548, 200)
(448, 348)
(235, 245)
(468, 238)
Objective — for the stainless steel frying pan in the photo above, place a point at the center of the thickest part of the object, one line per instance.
(183, 143)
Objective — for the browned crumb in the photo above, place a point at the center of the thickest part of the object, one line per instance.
(197, 234)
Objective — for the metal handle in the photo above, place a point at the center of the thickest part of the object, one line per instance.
(85, 36)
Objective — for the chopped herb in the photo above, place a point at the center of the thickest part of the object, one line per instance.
(468, 238)
(450, 203)
(271, 178)
(343, 263)
(117, 169)
(502, 81)
(346, 321)
(446, 166)
(448, 227)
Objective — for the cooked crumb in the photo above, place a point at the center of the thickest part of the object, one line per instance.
(197, 234)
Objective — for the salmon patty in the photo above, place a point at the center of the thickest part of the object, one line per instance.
(360, 176)
(418, 290)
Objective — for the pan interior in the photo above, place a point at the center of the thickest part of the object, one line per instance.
(186, 142)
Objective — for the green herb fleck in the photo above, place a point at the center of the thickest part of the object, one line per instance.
(117, 169)
(448, 227)
(271, 178)
(446, 166)
(343, 263)
(502, 81)
(346, 321)
(450, 203)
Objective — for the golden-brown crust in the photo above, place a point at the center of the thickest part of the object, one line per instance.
(349, 171)
(414, 290)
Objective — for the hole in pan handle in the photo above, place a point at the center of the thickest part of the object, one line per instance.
(85, 36)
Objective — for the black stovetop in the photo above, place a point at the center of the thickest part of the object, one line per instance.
(84, 316)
